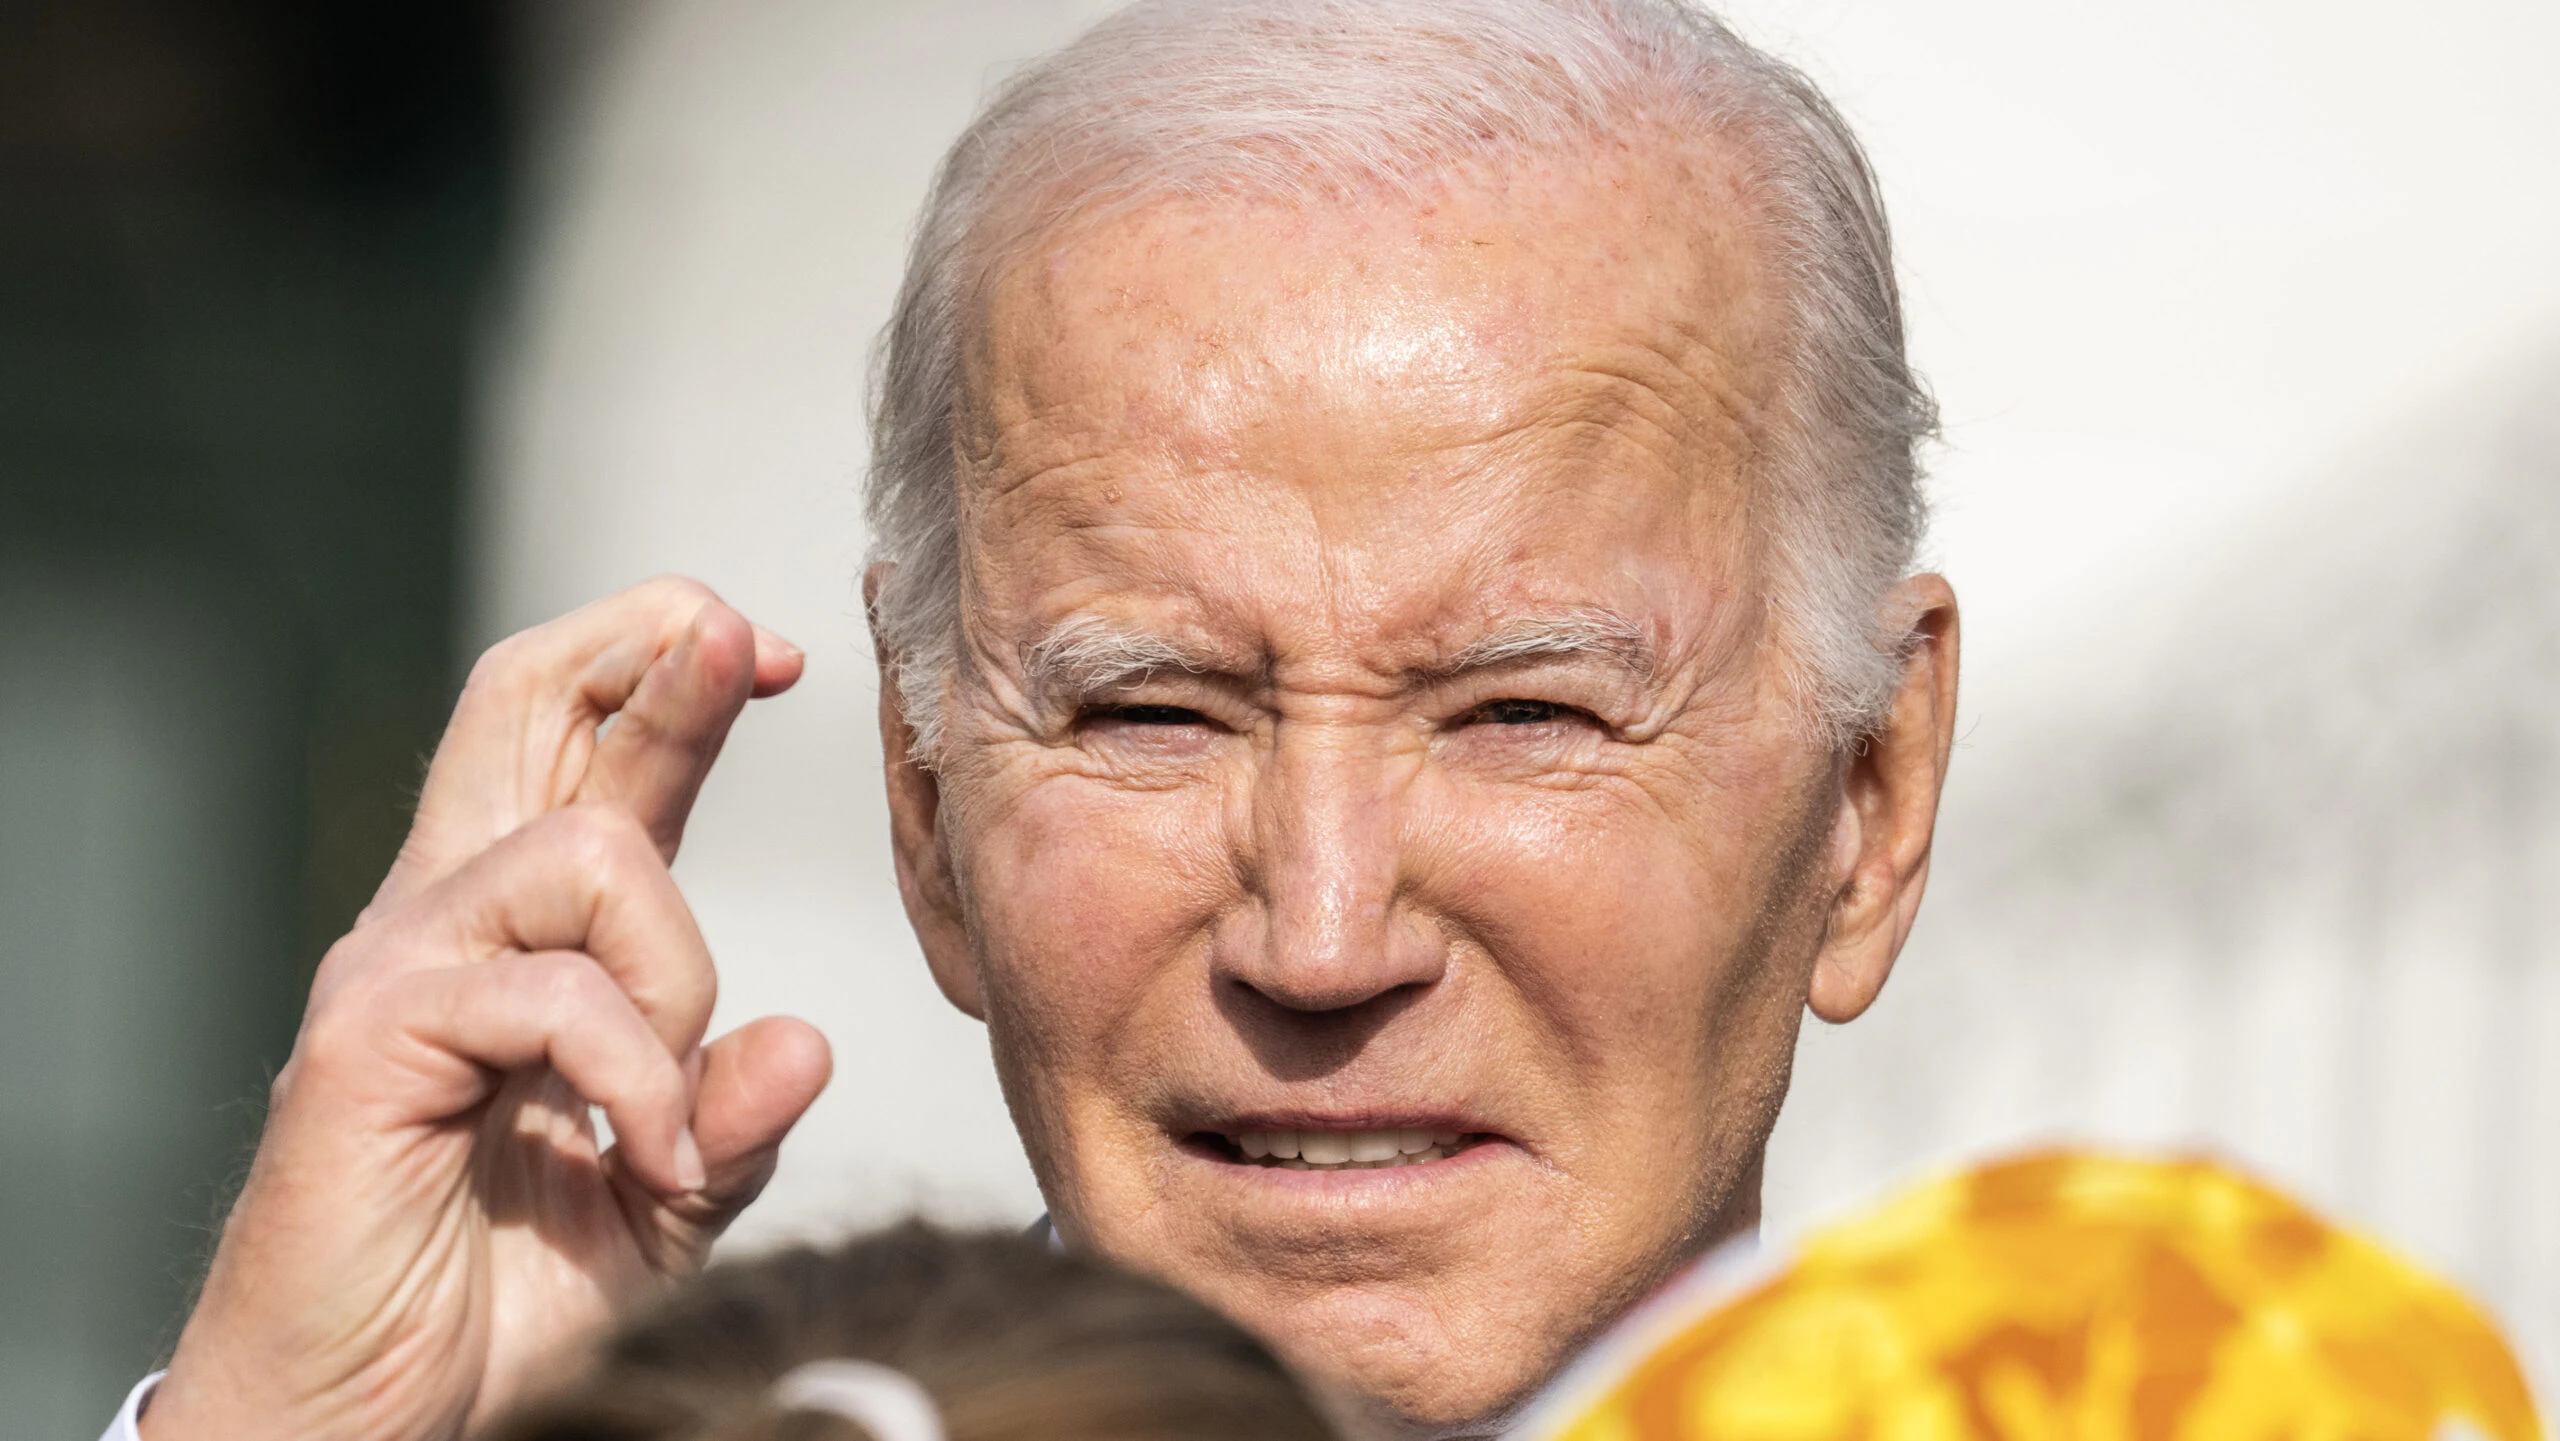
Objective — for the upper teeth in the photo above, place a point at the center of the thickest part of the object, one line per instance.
(1312, 1149)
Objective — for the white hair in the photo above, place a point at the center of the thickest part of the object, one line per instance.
(1222, 98)
(1085, 656)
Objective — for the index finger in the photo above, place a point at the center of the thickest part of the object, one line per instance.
(673, 660)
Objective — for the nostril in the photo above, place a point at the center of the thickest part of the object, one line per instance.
(1302, 982)
(1321, 1006)
(1397, 960)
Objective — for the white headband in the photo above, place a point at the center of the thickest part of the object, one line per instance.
(885, 1402)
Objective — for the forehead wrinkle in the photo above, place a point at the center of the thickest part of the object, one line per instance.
(1683, 400)
(1696, 405)
(1446, 332)
(1694, 418)
(1063, 443)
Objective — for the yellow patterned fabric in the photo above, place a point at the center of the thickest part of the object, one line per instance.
(2079, 1297)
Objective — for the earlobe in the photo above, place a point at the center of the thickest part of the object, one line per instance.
(1869, 923)
(1889, 812)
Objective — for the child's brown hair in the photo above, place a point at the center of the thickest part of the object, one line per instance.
(1013, 1341)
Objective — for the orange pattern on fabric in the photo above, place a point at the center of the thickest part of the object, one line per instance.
(2078, 1297)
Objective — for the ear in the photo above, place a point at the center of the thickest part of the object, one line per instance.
(923, 852)
(1889, 810)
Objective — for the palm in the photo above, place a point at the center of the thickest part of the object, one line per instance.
(564, 1236)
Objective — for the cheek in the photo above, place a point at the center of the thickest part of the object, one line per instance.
(1084, 897)
(1622, 925)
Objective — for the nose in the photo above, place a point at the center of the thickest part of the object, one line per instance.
(1325, 861)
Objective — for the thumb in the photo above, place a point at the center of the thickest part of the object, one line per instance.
(757, 1082)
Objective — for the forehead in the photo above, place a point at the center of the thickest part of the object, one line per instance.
(1522, 381)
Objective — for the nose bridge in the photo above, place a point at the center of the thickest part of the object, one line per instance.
(1327, 816)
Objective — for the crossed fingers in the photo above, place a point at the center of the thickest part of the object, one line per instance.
(530, 918)
(565, 944)
(667, 662)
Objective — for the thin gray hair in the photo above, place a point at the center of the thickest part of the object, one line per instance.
(1209, 99)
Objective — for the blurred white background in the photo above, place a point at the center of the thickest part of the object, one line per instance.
(2245, 322)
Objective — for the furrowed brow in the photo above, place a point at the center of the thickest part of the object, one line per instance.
(1084, 656)
(1593, 633)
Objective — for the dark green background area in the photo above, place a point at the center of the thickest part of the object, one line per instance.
(245, 251)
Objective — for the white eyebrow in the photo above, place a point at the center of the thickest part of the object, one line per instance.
(1584, 632)
(1084, 656)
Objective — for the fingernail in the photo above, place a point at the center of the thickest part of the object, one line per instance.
(689, 1172)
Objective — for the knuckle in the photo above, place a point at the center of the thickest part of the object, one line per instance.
(501, 665)
(681, 594)
(564, 987)
(604, 841)
(335, 1037)
(347, 955)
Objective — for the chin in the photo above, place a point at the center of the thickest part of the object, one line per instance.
(1390, 1365)
(1415, 1322)
(1428, 1266)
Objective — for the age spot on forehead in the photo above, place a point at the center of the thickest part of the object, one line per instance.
(1365, 416)
(1184, 322)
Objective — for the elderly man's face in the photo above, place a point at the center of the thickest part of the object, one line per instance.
(1368, 746)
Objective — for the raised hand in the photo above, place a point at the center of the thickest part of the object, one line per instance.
(430, 1217)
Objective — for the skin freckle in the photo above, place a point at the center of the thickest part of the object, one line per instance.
(1281, 468)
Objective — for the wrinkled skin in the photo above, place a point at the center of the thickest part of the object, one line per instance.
(1337, 863)
(431, 1219)
(1315, 869)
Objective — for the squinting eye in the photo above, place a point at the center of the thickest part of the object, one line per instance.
(1519, 712)
(1151, 715)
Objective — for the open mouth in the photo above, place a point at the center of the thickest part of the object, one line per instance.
(1308, 1150)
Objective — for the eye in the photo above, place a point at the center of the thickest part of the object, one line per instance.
(1148, 733)
(1151, 725)
(1149, 715)
(1512, 711)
